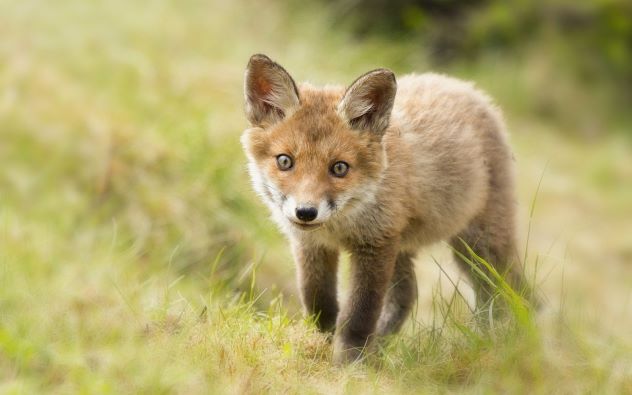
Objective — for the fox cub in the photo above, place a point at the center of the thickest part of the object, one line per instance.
(380, 169)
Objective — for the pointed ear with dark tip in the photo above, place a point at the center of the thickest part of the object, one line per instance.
(367, 103)
(270, 92)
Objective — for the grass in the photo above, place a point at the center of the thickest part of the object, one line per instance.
(134, 257)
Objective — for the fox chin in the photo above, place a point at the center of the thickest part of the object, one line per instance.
(380, 168)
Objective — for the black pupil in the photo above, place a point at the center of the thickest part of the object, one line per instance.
(284, 161)
(339, 168)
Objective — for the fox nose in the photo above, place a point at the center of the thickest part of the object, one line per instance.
(306, 213)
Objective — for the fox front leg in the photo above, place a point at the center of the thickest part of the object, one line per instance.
(316, 272)
(371, 271)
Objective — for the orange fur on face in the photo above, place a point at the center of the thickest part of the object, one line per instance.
(315, 137)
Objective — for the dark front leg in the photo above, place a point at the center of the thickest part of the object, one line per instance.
(371, 272)
(316, 272)
(400, 297)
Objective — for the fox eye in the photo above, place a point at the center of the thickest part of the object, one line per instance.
(284, 162)
(340, 169)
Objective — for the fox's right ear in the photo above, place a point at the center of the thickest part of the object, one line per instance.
(367, 103)
(270, 92)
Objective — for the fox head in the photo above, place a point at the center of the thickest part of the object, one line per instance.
(315, 154)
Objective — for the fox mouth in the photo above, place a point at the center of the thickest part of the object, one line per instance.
(306, 226)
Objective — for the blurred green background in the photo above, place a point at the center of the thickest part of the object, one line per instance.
(126, 214)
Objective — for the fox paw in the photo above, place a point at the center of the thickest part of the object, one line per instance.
(344, 355)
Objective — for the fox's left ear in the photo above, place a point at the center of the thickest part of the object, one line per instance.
(367, 103)
(270, 92)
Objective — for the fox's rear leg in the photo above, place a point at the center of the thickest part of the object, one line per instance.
(400, 297)
(494, 243)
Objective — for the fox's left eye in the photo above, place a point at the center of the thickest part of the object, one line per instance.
(340, 169)
(284, 162)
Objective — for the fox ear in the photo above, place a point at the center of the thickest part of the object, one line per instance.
(270, 92)
(367, 103)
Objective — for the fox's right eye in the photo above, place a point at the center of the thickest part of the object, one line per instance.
(284, 162)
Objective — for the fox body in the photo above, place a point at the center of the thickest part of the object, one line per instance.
(379, 169)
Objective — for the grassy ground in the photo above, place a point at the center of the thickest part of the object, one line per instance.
(135, 259)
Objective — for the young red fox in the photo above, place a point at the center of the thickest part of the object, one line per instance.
(378, 170)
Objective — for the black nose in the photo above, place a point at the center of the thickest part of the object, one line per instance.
(306, 213)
